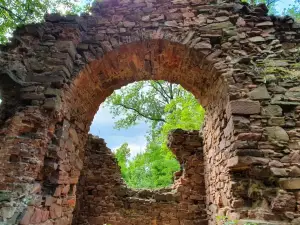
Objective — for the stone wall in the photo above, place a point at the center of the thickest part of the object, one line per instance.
(239, 62)
(103, 197)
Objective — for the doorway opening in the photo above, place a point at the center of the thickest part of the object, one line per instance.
(135, 121)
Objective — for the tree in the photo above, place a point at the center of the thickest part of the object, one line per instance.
(14, 13)
(164, 106)
(292, 10)
(142, 101)
(122, 154)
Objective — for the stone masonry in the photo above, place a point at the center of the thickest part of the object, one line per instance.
(239, 62)
(103, 198)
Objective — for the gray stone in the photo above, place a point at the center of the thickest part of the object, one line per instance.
(279, 172)
(276, 102)
(290, 184)
(52, 92)
(244, 162)
(7, 211)
(171, 23)
(217, 26)
(128, 24)
(260, 93)
(277, 134)
(203, 45)
(295, 171)
(244, 107)
(256, 39)
(264, 24)
(293, 93)
(32, 96)
(52, 103)
(297, 220)
(66, 46)
(277, 63)
(276, 121)
(277, 89)
(222, 18)
(271, 110)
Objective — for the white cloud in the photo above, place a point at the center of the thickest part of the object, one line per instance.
(103, 124)
(103, 116)
(136, 145)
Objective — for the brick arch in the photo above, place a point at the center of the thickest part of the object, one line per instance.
(251, 142)
(145, 60)
(148, 60)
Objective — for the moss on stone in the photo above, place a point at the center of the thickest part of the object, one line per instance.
(5, 196)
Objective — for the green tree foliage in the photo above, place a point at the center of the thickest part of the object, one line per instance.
(163, 106)
(122, 154)
(14, 13)
(292, 10)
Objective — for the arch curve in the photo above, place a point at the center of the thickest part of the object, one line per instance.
(147, 60)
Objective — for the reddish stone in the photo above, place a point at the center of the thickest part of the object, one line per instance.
(249, 136)
(27, 216)
(37, 216)
(55, 211)
(284, 201)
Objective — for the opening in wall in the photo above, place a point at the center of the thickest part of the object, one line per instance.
(138, 138)
(9, 98)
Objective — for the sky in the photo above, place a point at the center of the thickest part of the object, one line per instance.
(103, 126)
(103, 123)
(280, 5)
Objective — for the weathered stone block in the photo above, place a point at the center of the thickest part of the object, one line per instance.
(290, 184)
(244, 107)
(244, 162)
(66, 46)
(272, 110)
(279, 172)
(277, 134)
(260, 93)
(284, 201)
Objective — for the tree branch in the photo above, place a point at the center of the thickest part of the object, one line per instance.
(270, 2)
(171, 91)
(161, 93)
(27, 12)
(141, 114)
(162, 89)
(11, 13)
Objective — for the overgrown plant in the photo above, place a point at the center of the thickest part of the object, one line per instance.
(14, 13)
(225, 220)
(272, 71)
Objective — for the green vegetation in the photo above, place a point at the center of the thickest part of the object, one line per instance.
(163, 106)
(225, 220)
(14, 13)
(291, 10)
(278, 70)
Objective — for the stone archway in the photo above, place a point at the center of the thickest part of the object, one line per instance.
(229, 55)
(149, 60)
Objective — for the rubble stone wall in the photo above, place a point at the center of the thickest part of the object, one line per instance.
(104, 198)
(241, 63)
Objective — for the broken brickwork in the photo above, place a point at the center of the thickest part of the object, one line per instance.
(241, 64)
(104, 198)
